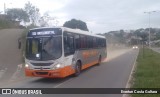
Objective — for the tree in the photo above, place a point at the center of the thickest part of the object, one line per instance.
(76, 24)
(144, 36)
(17, 14)
(47, 20)
(141, 33)
(43, 21)
(33, 12)
(157, 35)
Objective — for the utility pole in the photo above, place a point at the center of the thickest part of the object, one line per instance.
(149, 20)
(4, 8)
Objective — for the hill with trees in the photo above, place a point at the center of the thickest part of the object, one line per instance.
(133, 37)
(76, 24)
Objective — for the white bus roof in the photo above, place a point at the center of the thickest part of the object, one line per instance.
(78, 31)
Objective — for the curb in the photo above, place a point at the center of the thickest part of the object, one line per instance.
(128, 85)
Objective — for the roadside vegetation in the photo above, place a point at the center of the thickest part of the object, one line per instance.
(4, 23)
(147, 72)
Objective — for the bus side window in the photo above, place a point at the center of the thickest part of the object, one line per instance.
(68, 44)
(94, 43)
(104, 43)
(77, 41)
(83, 41)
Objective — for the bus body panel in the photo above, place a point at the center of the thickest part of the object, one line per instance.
(69, 67)
(88, 57)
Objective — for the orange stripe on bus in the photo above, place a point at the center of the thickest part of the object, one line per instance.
(87, 54)
(89, 64)
(58, 73)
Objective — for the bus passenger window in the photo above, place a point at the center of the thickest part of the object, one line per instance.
(68, 45)
(77, 41)
(94, 42)
(83, 40)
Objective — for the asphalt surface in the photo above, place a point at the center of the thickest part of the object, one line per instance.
(113, 73)
(10, 55)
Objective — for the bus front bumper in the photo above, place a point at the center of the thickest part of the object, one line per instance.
(58, 73)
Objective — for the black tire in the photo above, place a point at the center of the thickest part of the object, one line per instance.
(77, 69)
(99, 60)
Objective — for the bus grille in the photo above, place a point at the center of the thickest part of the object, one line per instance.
(41, 64)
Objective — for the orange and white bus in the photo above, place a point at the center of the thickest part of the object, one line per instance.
(59, 52)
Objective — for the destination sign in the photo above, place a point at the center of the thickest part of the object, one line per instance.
(44, 32)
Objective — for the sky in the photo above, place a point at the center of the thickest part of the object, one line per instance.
(101, 16)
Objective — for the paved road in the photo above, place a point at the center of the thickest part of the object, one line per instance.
(10, 55)
(113, 73)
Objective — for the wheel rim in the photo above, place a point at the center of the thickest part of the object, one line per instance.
(78, 69)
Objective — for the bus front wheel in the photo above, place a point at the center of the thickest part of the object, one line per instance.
(77, 69)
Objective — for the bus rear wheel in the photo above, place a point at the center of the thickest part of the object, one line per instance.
(99, 60)
(77, 69)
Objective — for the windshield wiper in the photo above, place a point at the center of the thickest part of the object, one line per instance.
(47, 54)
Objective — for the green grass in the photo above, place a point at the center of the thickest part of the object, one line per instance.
(147, 73)
(4, 24)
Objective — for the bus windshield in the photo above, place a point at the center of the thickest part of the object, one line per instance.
(44, 48)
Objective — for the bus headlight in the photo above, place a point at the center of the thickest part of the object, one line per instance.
(26, 65)
(57, 66)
